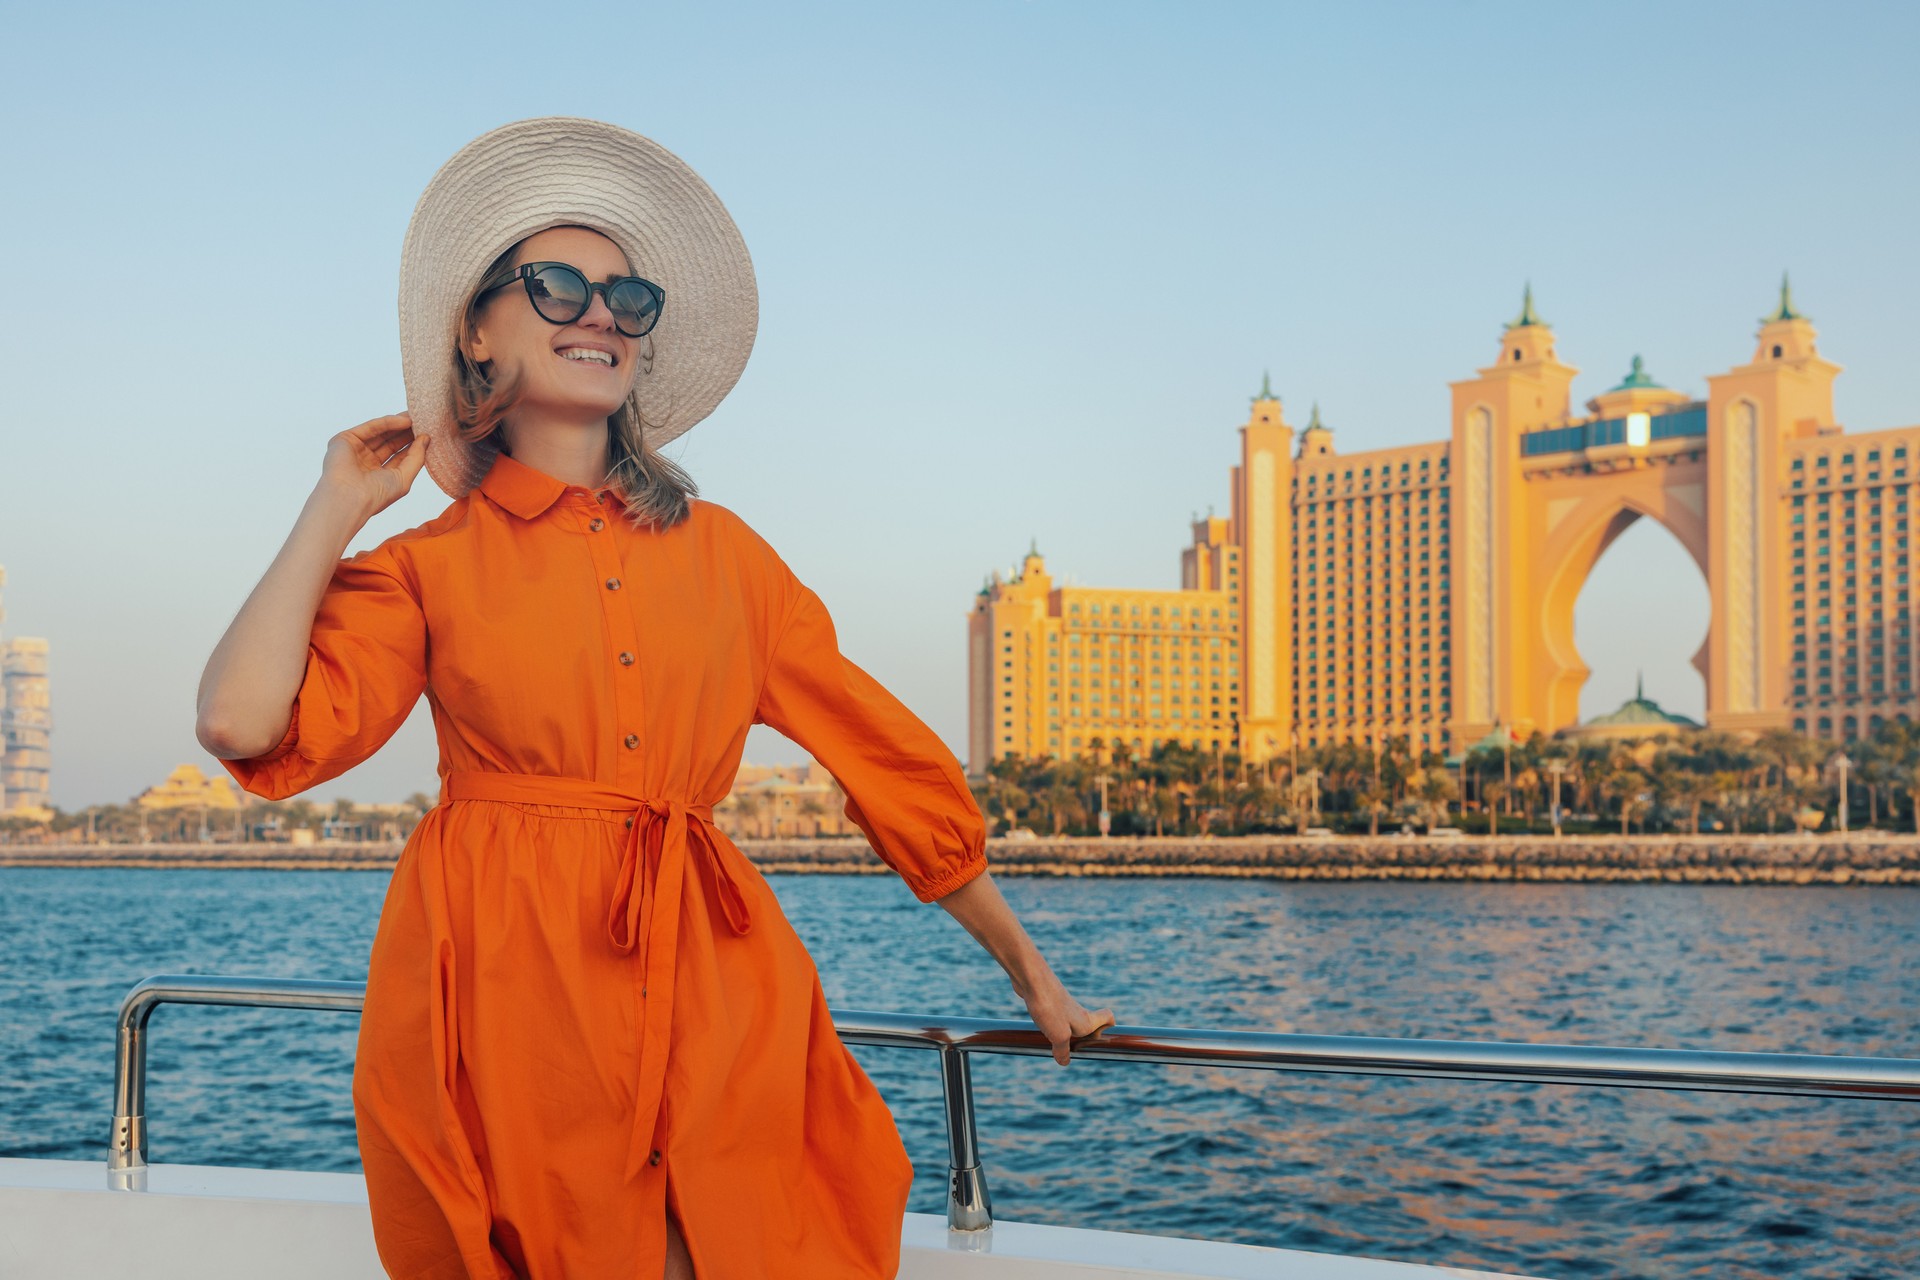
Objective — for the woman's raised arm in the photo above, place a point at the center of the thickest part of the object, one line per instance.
(246, 696)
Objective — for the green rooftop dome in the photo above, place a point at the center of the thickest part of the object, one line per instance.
(1266, 387)
(1499, 738)
(1639, 711)
(1637, 377)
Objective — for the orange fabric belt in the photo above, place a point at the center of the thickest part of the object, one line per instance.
(646, 899)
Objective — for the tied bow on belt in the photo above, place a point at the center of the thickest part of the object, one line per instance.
(646, 900)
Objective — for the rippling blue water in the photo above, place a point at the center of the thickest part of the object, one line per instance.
(1545, 1180)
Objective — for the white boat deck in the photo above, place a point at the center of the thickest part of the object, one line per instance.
(61, 1219)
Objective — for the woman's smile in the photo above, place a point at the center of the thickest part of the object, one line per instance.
(584, 353)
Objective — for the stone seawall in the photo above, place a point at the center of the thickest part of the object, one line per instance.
(1871, 858)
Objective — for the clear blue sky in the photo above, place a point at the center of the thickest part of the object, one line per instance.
(1021, 267)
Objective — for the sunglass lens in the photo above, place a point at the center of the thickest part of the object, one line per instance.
(635, 307)
(559, 293)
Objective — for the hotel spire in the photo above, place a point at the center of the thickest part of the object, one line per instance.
(1317, 439)
(1527, 317)
(1786, 311)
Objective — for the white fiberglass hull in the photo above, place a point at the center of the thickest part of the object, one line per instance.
(60, 1219)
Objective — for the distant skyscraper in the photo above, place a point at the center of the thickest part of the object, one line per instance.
(26, 725)
(1427, 590)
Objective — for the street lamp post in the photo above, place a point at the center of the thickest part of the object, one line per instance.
(1556, 769)
(1506, 760)
(1843, 764)
(1106, 819)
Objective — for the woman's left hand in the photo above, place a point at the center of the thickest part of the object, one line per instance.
(1060, 1017)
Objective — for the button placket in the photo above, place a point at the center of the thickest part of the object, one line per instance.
(621, 636)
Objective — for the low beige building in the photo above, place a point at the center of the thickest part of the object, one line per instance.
(188, 787)
(779, 801)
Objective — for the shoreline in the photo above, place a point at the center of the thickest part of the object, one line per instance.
(1873, 858)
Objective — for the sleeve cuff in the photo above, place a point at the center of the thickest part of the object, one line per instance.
(954, 879)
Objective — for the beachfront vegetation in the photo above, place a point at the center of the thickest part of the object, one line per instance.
(254, 820)
(1698, 782)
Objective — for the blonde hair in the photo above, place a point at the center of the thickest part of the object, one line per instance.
(657, 490)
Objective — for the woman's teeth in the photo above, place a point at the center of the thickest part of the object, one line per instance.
(583, 354)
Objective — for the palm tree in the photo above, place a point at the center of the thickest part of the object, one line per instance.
(752, 807)
(1492, 796)
(1064, 803)
(1623, 783)
(814, 809)
(1435, 788)
(1373, 799)
(1693, 790)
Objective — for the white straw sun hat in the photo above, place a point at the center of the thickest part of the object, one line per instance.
(564, 170)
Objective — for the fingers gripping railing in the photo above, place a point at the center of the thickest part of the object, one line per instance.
(956, 1039)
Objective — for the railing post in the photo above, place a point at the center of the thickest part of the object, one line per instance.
(127, 1150)
(968, 1207)
(127, 1153)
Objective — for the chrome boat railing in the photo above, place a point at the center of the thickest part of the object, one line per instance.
(956, 1039)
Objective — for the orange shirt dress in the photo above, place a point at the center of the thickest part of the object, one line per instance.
(584, 1003)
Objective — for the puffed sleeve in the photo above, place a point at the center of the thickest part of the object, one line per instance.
(904, 787)
(366, 668)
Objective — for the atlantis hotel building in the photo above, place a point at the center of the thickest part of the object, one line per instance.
(1428, 590)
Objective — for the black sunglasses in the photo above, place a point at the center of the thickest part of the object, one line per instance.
(561, 294)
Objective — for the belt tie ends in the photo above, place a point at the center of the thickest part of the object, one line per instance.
(665, 854)
(645, 904)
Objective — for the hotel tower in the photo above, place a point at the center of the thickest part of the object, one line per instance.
(26, 726)
(1427, 591)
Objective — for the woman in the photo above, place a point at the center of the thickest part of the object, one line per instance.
(592, 1044)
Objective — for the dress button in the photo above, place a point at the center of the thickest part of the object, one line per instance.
(613, 584)
(626, 659)
(633, 740)
(596, 524)
(655, 1157)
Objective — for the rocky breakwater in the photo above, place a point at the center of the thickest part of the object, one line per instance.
(227, 856)
(1871, 858)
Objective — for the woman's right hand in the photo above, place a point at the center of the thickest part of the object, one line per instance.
(375, 463)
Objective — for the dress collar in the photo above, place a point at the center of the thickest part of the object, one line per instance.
(519, 488)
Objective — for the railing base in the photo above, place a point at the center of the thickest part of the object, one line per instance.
(968, 1208)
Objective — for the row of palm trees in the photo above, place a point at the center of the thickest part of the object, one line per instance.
(1775, 781)
(132, 824)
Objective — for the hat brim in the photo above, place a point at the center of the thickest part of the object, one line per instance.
(554, 171)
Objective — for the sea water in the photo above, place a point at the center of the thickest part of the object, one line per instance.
(1542, 1179)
